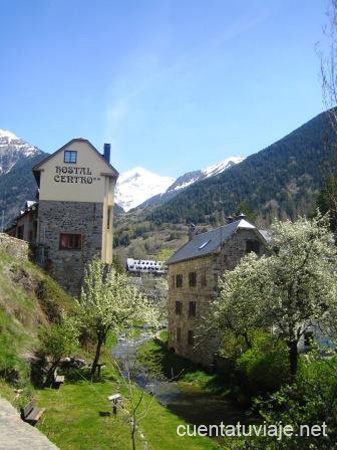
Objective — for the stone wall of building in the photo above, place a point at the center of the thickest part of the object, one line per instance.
(14, 247)
(67, 266)
(202, 294)
(208, 270)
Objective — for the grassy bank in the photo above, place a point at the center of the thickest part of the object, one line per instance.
(29, 300)
(163, 363)
(79, 417)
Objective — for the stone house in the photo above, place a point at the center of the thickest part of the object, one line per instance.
(193, 274)
(73, 215)
(25, 226)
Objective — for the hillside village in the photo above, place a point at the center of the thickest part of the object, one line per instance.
(214, 317)
(168, 280)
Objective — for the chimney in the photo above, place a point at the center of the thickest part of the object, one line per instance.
(229, 219)
(240, 216)
(106, 154)
(191, 231)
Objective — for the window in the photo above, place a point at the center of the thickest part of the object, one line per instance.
(70, 241)
(190, 337)
(192, 279)
(179, 308)
(252, 246)
(109, 217)
(178, 334)
(179, 281)
(70, 156)
(192, 308)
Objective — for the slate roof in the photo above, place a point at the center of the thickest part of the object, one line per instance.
(207, 243)
(266, 235)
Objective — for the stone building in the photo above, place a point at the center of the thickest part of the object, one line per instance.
(73, 216)
(193, 274)
(26, 223)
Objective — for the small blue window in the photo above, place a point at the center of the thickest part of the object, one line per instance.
(70, 156)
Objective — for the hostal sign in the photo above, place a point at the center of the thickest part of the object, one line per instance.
(74, 175)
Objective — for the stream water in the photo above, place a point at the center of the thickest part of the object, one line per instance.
(194, 406)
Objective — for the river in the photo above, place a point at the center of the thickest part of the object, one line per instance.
(194, 406)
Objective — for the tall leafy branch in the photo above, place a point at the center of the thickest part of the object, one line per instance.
(110, 303)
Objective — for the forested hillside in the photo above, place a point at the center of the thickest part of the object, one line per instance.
(18, 185)
(282, 180)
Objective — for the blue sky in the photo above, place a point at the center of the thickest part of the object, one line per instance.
(173, 85)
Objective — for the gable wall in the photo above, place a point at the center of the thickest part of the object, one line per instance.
(60, 182)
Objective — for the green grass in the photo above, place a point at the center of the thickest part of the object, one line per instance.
(164, 335)
(28, 299)
(77, 418)
(164, 363)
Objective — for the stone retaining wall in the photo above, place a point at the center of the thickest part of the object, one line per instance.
(14, 247)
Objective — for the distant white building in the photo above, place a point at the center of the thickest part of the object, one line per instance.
(138, 266)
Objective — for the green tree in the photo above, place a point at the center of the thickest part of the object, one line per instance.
(240, 306)
(56, 342)
(117, 262)
(327, 201)
(287, 291)
(310, 401)
(110, 303)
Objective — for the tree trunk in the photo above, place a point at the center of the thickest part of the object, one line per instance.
(50, 375)
(133, 439)
(133, 432)
(97, 355)
(293, 357)
(247, 341)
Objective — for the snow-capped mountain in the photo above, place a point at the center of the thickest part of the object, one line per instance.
(137, 185)
(189, 178)
(215, 169)
(17, 183)
(12, 150)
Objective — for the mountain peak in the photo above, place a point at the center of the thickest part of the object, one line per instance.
(13, 149)
(8, 134)
(137, 185)
(131, 193)
(215, 169)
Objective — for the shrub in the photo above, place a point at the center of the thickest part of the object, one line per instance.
(311, 400)
(56, 342)
(264, 367)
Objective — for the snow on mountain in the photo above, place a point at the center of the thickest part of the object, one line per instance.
(12, 150)
(215, 169)
(189, 178)
(137, 185)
